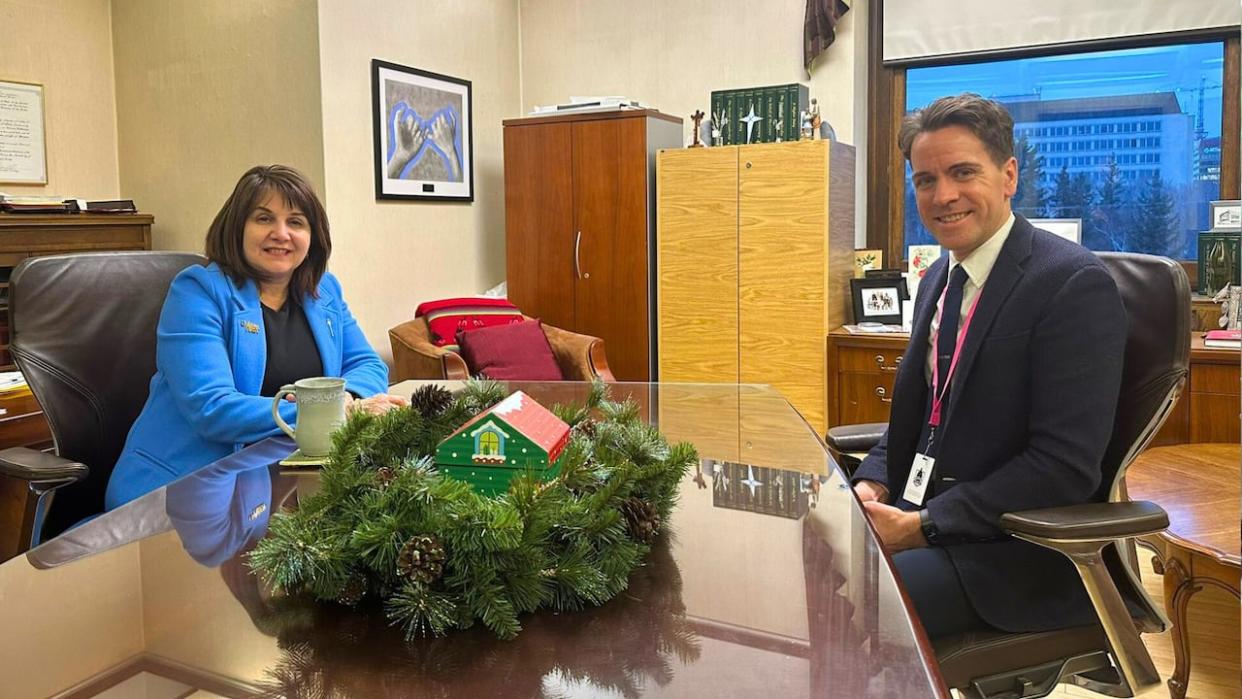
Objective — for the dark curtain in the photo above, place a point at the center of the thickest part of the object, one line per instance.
(820, 28)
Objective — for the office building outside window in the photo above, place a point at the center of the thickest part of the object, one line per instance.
(1128, 141)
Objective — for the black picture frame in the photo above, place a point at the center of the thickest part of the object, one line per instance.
(878, 300)
(423, 134)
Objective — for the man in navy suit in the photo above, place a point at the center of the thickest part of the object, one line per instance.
(1005, 401)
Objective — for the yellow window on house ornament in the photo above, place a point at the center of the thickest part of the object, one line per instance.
(489, 444)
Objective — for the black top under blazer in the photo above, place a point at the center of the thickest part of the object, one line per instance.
(1028, 417)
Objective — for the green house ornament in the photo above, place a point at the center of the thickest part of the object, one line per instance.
(515, 436)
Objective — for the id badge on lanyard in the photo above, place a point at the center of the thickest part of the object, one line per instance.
(924, 463)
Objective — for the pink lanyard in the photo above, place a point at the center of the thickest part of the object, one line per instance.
(937, 394)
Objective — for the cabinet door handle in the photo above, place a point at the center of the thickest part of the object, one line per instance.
(577, 261)
(882, 394)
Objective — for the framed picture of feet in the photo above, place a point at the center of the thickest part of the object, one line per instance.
(424, 138)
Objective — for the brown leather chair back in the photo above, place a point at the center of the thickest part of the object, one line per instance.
(83, 335)
(1156, 294)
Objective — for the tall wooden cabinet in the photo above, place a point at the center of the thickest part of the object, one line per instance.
(579, 226)
(754, 256)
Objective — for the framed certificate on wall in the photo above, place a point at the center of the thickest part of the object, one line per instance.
(23, 148)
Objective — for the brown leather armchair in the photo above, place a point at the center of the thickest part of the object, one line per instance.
(1108, 657)
(83, 335)
(414, 356)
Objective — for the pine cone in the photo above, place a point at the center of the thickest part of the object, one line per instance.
(586, 427)
(430, 401)
(385, 475)
(642, 522)
(354, 590)
(421, 559)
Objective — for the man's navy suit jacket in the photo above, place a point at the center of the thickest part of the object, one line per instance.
(1028, 416)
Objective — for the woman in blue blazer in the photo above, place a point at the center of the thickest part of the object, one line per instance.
(264, 313)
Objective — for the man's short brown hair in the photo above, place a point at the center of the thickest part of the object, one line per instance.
(225, 238)
(984, 118)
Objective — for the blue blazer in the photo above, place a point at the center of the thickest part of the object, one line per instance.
(1029, 415)
(211, 354)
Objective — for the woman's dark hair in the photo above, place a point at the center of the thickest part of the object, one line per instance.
(225, 238)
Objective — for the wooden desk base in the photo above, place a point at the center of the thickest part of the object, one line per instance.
(1197, 484)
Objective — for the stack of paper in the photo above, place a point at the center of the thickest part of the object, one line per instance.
(589, 104)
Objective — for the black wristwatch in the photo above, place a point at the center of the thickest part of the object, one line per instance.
(930, 531)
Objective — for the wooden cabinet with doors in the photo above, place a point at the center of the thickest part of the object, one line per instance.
(755, 254)
(579, 225)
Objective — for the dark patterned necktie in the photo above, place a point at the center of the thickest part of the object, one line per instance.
(950, 317)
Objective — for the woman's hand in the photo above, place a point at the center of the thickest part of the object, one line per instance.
(377, 404)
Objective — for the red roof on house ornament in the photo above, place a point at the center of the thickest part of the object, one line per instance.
(535, 422)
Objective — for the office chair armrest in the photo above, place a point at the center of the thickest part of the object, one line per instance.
(1095, 521)
(31, 465)
(415, 357)
(856, 438)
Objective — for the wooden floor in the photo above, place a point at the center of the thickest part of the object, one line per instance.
(1215, 645)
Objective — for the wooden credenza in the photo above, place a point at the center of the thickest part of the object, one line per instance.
(579, 225)
(861, 370)
(754, 255)
(35, 235)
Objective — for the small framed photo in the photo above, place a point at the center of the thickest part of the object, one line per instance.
(1068, 228)
(1227, 215)
(423, 133)
(867, 259)
(878, 300)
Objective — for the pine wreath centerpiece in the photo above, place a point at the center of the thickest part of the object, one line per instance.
(560, 525)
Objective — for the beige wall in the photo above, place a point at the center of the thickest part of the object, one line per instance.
(67, 46)
(392, 255)
(205, 89)
(671, 55)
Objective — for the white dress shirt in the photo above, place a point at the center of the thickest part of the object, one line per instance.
(978, 266)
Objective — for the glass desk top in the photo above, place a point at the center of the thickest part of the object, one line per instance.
(770, 582)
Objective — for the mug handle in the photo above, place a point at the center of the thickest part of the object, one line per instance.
(280, 396)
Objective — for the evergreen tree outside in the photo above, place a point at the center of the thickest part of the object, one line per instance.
(1154, 217)
(1029, 199)
(1071, 195)
(1110, 222)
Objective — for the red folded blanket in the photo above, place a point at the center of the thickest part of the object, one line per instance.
(446, 316)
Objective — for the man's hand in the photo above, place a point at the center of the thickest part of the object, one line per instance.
(870, 491)
(898, 530)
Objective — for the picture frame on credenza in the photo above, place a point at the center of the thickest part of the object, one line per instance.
(878, 300)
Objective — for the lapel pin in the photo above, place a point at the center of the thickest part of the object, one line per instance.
(250, 327)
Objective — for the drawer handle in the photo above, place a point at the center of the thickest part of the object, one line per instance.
(879, 359)
(883, 395)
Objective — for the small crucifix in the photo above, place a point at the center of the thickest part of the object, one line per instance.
(697, 118)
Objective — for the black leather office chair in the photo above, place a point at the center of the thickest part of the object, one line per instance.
(82, 331)
(1108, 657)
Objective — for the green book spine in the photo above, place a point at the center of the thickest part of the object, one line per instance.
(769, 116)
(717, 108)
(730, 115)
(748, 132)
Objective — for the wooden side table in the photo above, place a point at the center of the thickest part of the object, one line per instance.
(1197, 484)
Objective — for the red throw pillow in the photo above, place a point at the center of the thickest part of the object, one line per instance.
(514, 352)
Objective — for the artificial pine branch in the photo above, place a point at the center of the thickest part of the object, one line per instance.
(561, 543)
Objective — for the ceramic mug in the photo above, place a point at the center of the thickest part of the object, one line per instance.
(321, 409)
